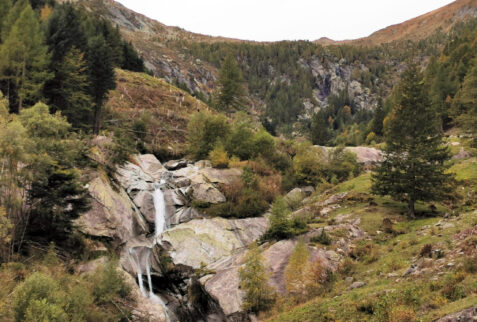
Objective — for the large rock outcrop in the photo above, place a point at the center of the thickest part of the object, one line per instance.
(209, 240)
(365, 155)
(198, 181)
(112, 214)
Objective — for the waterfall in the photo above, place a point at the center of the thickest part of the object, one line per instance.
(139, 270)
(160, 207)
(159, 223)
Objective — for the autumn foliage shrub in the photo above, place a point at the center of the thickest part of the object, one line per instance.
(219, 157)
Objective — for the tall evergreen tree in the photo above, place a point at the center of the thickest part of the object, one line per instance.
(102, 76)
(230, 91)
(414, 162)
(131, 59)
(25, 59)
(320, 133)
(63, 31)
(56, 195)
(5, 6)
(13, 15)
(378, 119)
(69, 90)
(464, 107)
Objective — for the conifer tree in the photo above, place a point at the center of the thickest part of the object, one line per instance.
(320, 133)
(230, 91)
(464, 107)
(64, 31)
(5, 6)
(281, 226)
(25, 59)
(69, 90)
(56, 194)
(414, 162)
(12, 16)
(102, 76)
(379, 115)
(131, 60)
(254, 281)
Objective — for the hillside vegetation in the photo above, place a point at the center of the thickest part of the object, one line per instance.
(412, 270)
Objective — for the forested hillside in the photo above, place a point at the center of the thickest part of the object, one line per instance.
(293, 85)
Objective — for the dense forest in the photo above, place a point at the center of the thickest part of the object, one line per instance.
(63, 56)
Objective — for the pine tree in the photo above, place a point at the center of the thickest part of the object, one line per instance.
(64, 31)
(414, 157)
(320, 133)
(230, 91)
(5, 6)
(131, 60)
(25, 59)
(69, 90)
(280, 222)
(56, 194)
(254, 281)
(102, 76)
(12, 16)
(464, 107)
(378, 119)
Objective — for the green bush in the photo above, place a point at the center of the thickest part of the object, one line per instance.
(38, 292)
(322, 238)
(219, 157)
(242, 203)
(308, 164)
(108, 283)
(312, 166)
(204, 131)
(264, 145)
(470, 264)
(342, 164)
(282, 224)
(240, 142)
(451, 287)
(41, 310)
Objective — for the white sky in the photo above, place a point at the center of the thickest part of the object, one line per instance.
(271, 20)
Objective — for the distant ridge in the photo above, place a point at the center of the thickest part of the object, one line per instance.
(417, 28)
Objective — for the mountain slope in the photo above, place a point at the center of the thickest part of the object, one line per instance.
(423, 26)
(162, 109)
(289, 81)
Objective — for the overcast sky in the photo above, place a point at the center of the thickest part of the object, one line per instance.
(271, 20)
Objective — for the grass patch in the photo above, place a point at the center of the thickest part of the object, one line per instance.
(465, 170)
(361, 183)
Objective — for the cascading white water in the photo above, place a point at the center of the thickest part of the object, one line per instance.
(160, 208)
(159, 223)
(139, 270)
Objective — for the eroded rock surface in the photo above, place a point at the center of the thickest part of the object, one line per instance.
(365, 155)
(112, 213)
(465, 315)
(208, 240)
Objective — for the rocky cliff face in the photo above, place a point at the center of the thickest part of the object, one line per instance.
(332, 77)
